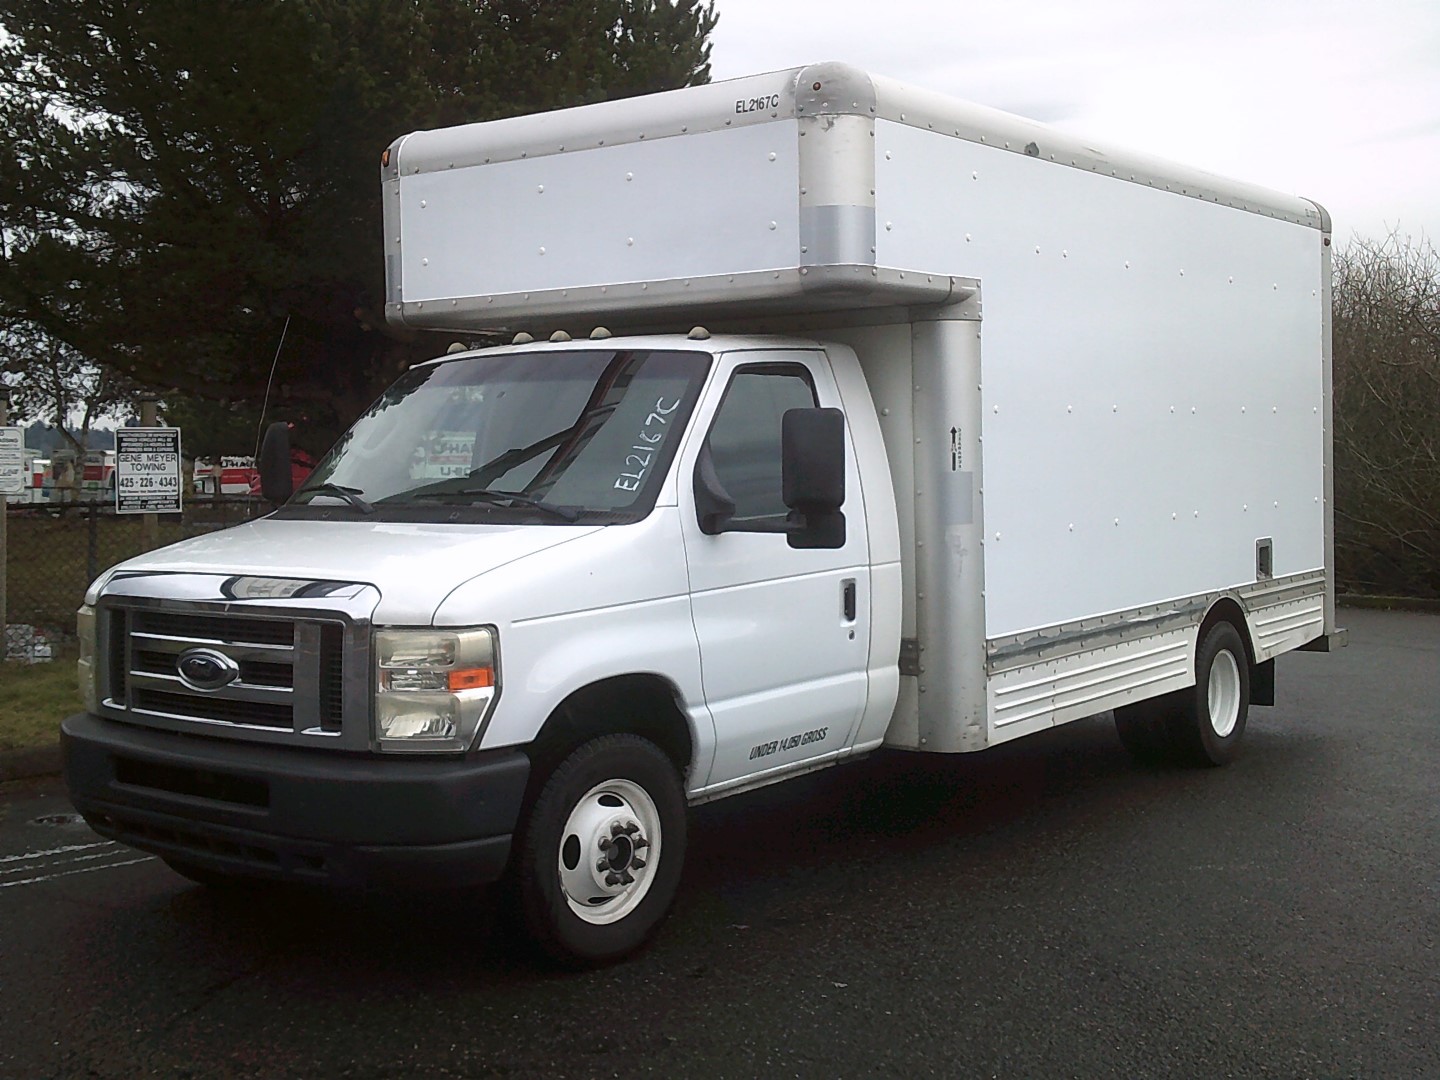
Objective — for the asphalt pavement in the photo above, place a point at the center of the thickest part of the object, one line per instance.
(1047, 908)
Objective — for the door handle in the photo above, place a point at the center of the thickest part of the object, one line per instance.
(847, 599)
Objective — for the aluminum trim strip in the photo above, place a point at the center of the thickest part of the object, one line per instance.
(1085, 635)
(1287, 619)
(837, 235)
(1156, 657)
(1280, 628)
(1281, 590)
(1050, 705)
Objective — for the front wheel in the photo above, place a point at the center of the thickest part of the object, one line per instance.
(601, 851)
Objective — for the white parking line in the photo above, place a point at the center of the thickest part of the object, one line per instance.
(55, 851)
(31, 867)
(61, 862)
(82, 870)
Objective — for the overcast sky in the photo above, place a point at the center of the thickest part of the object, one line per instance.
(1336, 101)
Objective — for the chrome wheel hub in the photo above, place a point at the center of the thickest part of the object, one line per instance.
(608, 849)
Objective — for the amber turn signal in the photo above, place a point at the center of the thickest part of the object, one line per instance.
(472, 679)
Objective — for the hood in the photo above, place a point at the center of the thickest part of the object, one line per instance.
(415, 566)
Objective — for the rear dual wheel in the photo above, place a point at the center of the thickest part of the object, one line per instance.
(1202, 724)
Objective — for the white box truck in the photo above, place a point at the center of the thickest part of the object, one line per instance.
(840, 415)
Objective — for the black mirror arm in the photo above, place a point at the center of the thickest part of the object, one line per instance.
(794, 523)
(713, 504)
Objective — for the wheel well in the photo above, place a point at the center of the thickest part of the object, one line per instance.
(644, 705)
(1226, 609)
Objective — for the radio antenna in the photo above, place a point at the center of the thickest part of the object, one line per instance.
(264, 407)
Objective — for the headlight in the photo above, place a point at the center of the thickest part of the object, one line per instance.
(85, 668)
(433, 688)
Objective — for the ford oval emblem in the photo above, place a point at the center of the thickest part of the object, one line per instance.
(206, 669)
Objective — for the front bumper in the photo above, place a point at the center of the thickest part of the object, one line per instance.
(269, 812)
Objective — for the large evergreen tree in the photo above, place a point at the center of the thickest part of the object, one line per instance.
(183, 178)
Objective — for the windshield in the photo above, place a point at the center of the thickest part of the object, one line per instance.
(551, 437)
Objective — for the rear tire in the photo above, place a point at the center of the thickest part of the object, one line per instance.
(1144, 732)
(1202, 724)
(1209, 723)
(601, 851)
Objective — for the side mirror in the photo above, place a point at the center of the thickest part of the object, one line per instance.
(276, 482)
(812, 461)
(812, 478)
(812, 484)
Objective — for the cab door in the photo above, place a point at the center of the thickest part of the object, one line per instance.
(784, 631)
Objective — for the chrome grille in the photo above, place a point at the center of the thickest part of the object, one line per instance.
(227, 629)
(332, 676)
(289, 672)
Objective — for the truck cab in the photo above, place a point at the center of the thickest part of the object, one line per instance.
(514, 552)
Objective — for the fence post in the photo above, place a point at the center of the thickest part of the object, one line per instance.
(149, 523)
(4, 525)
(92, 542)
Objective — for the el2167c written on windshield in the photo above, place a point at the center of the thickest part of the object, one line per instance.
(647, 445)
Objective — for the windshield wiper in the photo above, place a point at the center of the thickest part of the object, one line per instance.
(499, 498)
(497, 467)
(348, 494)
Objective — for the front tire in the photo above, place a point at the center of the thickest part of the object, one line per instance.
(601, 851)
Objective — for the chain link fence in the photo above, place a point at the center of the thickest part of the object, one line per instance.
(53, 552)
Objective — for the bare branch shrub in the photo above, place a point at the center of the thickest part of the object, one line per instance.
(1386, 307)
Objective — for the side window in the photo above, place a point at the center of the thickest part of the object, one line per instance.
(744, 440)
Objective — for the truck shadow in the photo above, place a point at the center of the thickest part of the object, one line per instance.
(899, 809)
(884, 826)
